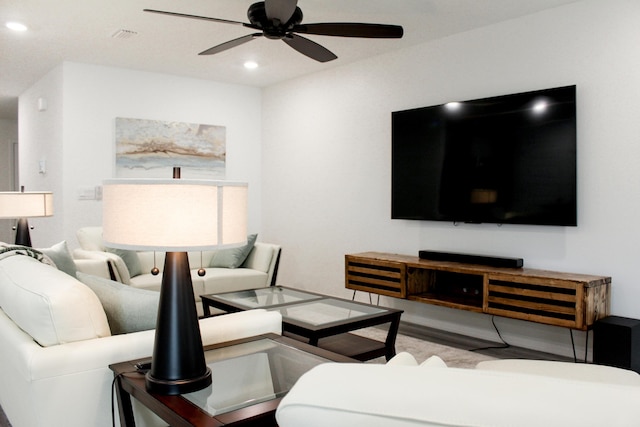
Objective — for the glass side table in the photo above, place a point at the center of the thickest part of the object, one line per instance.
(249, 378)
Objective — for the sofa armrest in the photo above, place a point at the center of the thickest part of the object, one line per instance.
(264, 257)
(572, 371)
(43, 380)
(117, 268)
(239, 325)
(95, 267)
(90, 238)
(357, 395)
(75, 357)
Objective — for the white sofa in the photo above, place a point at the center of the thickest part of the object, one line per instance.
(258, 269)
(499, 393)
(56, 344)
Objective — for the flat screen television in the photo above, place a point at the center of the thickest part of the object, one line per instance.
(506, 160)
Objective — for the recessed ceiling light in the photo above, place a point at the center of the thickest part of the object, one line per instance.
(16, 26)
(250, 65)
(453, 106)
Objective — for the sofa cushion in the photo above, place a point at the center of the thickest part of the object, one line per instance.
(51, 306)
(433, 362)
(218, 280)
(403, 359)
(130, 259)
(259, 258)
(90, 238)
(406, 359)
(153, 283)
(128, 309)
(233, 257)
(150, 259)
(61, 257)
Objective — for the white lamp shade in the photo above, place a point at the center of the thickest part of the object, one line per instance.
(173, 215)
(15, 204)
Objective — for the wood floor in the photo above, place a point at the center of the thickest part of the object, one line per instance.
(489, 348)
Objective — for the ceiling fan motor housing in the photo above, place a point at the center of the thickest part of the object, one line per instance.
(272, 28)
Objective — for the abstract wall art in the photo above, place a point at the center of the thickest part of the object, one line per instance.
(152, 148)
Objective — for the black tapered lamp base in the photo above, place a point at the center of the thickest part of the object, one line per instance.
(175, 387)
(178, 365)
(23, 237)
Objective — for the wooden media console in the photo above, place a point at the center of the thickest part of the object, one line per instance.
(569, 300)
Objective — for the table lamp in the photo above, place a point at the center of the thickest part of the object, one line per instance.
(175, 216)
(23, 205)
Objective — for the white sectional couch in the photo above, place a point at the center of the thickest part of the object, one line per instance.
(501, 393)
(224, 271)
(56, 344)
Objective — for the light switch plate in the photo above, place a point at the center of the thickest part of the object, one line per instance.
(86, 193)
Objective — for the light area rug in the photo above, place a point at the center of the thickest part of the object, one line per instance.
(422, 350)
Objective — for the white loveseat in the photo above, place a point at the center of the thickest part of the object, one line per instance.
(501, 393)
(257, 267)
(56, 344)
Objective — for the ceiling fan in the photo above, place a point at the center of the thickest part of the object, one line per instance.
(281, 20)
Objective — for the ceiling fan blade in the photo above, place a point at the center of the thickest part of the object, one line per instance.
(204, 18)
(309, 48)
(346, 29)
(230, 44)
(282, 10)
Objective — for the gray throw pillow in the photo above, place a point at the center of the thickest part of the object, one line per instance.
(128, 309)
(233, 257)
(130, 259)
(61, 257)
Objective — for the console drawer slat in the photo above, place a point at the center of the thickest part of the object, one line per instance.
(376, 276)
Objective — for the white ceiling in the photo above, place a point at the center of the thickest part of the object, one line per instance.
(81, 31)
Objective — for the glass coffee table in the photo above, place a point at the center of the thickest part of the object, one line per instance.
(322, 321)
(249, 378)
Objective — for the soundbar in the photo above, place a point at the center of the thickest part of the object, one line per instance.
(491, 261)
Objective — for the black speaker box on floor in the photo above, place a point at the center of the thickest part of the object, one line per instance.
(616, 342)
(491, 261)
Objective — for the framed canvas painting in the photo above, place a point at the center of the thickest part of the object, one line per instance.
(152, 148)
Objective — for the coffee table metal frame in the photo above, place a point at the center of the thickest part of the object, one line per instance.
(332, 335)
(178, 411)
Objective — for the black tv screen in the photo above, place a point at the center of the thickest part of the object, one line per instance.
(507, 160)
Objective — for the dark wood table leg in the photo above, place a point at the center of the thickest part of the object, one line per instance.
(390, 342)
(125, 409)
(206, 308)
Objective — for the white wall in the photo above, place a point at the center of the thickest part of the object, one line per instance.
(78, 143)
(8, 138)
(41, 139)
(326, 158)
